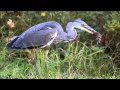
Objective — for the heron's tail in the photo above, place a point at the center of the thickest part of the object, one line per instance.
(10, 44)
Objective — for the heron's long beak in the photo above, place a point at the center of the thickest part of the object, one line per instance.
(89, 29)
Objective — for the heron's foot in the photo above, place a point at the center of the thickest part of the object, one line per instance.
(37, 67)
(46, 66)
(45, 61)
(38, 71)
(34, 62)
(46, 58)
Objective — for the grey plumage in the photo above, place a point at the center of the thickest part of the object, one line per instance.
(44, 34)
(41, 34)
(38, 36)
(35, 39)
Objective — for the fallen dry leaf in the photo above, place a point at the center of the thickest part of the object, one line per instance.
(10, 24)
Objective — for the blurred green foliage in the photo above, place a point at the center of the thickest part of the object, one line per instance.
(105, 22)
(102, 21)
(108, 20)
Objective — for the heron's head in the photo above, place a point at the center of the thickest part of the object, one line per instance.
(80, 24)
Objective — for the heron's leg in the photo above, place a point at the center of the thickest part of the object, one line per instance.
(46, 57)
(35, 62)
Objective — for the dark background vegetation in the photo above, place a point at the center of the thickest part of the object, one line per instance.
(105, 22)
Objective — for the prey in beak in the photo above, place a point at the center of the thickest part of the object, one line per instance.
(97, 35)
(85, 27)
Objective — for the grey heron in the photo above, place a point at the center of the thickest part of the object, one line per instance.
(44, 34)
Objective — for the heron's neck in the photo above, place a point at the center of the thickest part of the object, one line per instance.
(71, 32)
(61, 32)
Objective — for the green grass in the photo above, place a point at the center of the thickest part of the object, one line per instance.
(80, 62)
(82, 59)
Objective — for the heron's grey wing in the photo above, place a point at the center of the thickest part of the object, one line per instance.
(39, 38)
